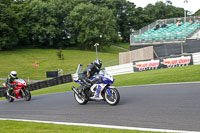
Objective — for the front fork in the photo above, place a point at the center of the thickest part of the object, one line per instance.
(108, 91)
(23, 94)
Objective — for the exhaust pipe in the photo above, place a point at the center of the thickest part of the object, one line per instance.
(75, 90)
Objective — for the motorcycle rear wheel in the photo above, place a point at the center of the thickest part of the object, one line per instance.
(80, 100)
(9, 99)
(114, 98)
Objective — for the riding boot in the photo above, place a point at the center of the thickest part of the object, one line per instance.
(10, 92)
(81, 91)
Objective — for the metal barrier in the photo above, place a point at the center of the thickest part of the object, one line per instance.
(2, 89)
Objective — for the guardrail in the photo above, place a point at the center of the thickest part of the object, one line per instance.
(46, 83)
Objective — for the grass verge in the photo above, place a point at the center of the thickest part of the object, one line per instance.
(33, 127)
(170, 75)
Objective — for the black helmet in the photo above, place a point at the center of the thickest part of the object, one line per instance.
(98, 63)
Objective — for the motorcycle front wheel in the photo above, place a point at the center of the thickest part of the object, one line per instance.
(114, 98)
(27, 94)
(80, 100)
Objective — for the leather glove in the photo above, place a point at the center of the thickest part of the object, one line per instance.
(95, 80)
(15, 85)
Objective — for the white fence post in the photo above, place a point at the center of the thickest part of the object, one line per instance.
(196, 58)
(120, 69)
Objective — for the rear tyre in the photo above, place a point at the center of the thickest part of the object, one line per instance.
(80, 100)
(114, 98)
(27, 94)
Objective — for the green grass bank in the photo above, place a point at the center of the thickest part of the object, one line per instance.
(21, 60)
(32, 127)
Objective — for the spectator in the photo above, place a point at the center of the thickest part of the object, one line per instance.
(198, 20)
(178, 23)
(191, 21)
(157, 26)
(164, 25)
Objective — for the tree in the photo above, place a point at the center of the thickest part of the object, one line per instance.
(197, 13)
(125, 15)
(58, 23)
(90, 24)
(8, 25)
(43, 22)
(162, 11)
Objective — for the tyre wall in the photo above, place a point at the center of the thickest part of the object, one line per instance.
(46, 83)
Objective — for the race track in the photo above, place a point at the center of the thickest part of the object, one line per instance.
(165, 106)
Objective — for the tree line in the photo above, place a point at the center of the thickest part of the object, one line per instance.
(80, 23)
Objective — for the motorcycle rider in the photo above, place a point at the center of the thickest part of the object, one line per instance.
(91, 69)
(11, 77)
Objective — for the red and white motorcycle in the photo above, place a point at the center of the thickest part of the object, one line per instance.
(19, 91)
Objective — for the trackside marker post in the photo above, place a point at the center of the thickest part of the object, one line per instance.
(36, 64)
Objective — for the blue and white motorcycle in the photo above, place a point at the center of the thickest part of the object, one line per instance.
(106, 92)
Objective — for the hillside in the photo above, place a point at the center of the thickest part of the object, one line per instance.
(21, 60)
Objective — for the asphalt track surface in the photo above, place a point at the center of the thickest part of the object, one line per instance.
(168, 106)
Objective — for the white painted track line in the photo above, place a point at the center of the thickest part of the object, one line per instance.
(104, 126)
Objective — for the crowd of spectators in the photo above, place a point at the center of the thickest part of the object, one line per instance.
(170, 29)
(162, 24)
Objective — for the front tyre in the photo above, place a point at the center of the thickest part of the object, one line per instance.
(80, 100)
(114, 98)
(27, 94)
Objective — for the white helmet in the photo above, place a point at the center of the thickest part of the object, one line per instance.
(13, 74)
(98, 63)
